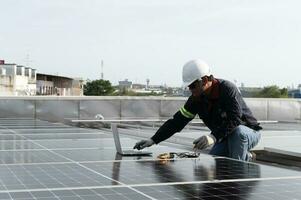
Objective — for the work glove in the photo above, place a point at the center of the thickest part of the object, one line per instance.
(203, 142)
(143, 143)
(99, 116)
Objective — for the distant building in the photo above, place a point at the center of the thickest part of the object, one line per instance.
(125, 85)
(150, 89)
(177, 91)
(16, 79)
(249, 91)
(58, 85)
(295, 93)
(136, 86)
(20, 80)
(77, 87)
(186, 92)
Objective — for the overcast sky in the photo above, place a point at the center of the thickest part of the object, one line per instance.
(257, 42)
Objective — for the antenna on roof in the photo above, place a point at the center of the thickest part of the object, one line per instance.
(102, 69)
(27, 60)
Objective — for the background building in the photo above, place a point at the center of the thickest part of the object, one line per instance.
(19, 80)
(125, 85)
(295, 93)
(58, 85)
(249, 91)
(16, 79)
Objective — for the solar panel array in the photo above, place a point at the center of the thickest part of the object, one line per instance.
(43, 160)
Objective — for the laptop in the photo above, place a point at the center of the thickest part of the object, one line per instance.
(126, 152)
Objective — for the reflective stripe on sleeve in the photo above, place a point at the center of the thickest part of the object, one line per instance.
(186, 113)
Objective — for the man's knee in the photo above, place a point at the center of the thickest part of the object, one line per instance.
(239, 133)
(219, 149)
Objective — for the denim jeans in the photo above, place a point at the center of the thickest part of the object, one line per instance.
(238, 144)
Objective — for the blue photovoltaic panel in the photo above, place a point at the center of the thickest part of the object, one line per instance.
(43, 160)
(187, 170)
(251, 190)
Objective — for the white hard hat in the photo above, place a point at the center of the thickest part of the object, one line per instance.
(194, 70)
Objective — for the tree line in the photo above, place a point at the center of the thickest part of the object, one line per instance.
(104, 88)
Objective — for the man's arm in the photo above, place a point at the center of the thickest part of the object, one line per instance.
(171, 126)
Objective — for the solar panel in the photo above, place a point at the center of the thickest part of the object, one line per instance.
(43, 160)
(17, 144)
(80, 194)
(51, 136)
(45, 176)
(29, 156)
(187, 170)
(262, 189)
(55, 130)
(102, 143)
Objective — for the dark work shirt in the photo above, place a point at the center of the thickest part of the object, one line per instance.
(222, 111)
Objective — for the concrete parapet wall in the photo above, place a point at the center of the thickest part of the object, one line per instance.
(56, 109)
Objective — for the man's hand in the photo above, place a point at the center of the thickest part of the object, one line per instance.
(203, 142)
(143, 143)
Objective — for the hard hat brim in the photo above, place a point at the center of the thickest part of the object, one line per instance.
(186, 84)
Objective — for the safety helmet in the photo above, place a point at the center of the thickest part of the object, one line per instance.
(194, 70)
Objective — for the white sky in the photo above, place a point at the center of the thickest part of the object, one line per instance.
(257, 42)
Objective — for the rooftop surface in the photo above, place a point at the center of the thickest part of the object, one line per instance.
(43, 160)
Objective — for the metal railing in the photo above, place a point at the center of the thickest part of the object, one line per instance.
(56, 109)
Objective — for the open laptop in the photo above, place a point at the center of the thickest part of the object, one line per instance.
(126, 152)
